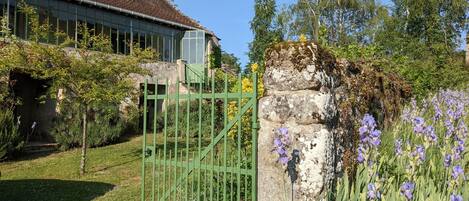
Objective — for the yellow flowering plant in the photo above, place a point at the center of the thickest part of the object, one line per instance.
(246, 87)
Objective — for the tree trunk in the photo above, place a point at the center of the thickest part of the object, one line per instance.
(83, 144)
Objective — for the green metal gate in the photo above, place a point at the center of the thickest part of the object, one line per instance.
(203, 145)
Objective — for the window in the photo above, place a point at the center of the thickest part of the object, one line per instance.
(167, 49)
(142, 40)
(66, 17)
(148, 41)
(53, 28)
(20, 25)
(72, 29)
(121, 41)
(11, 17)
(114, 40)
(106, 31)
(127, 42)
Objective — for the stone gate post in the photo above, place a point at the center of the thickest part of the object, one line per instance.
(299, 99)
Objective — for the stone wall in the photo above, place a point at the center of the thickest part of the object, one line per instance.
(159, 73)
(314, 96)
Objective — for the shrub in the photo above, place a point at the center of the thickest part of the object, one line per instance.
(424, 157)
(11, 140)
(105, 126)
(193, 118)
(427, 74)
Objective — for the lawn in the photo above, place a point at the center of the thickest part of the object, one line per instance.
(113, 173)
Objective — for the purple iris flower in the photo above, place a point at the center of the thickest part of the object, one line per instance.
(407, 189)
(419, 126)
(283, 160)
(283, 131)
(361, 156)
(420, 152)
(373, 193)
(447, 161)
(430, 134)
(281, 151)
(458, 150)
(449, 128)
(398, 147)
(370, 137)
(281, 143)
(436, 108)
(277, 142)
(456, 197)
(457, 170)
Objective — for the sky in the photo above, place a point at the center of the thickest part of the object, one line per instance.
(229, 19)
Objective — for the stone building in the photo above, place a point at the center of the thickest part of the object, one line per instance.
(181, 43)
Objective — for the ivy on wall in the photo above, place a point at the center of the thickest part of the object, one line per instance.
(214, 58)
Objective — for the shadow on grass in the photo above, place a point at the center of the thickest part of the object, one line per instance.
(23, 156)
(52, 190)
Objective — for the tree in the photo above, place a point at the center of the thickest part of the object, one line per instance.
(231, 61)
(95, 76)
(335, 22)
(265, 31)
(425, 26)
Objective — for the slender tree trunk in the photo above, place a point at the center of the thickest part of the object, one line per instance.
(83, 144)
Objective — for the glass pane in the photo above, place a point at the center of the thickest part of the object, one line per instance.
(11, 17)
(53, 28)
(142, 40)
(114, 41)
(200, 51)
(127, 43)
(107, 31)
(120, 41)
(71, 29)
(160, 47)
(148, 41)
(98, 29)
(62, 29)
(21, 25)
(186, 49)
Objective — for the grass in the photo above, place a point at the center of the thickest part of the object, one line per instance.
(113, 173)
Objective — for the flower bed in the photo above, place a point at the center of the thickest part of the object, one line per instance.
(423, 157)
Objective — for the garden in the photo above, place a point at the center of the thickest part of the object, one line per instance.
(422, 157)
(406, 108)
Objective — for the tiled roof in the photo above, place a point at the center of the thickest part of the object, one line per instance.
(160, 9)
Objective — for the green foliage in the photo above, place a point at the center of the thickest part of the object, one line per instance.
(424, 75)
(431, 22)
(215, 58)
(332, 22)
(89, 76)
(193, 113)
(265, 31)
(440, 134)
(231, 61)
(106, 125)
(416, 39)
(11, 140)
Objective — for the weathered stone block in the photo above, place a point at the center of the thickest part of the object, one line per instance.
(274, 182)
(304, 107)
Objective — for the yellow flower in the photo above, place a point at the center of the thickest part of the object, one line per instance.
(254, 67)
(303, 38)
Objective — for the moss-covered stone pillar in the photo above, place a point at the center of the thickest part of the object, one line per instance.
(299, 111)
